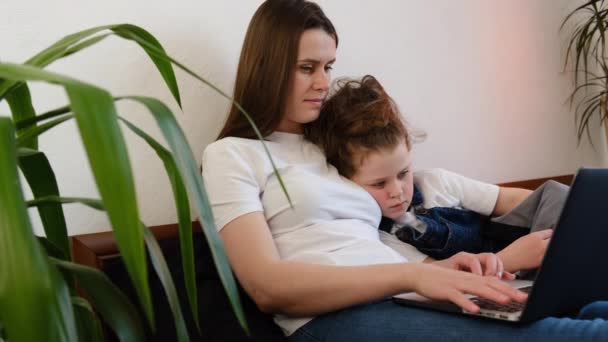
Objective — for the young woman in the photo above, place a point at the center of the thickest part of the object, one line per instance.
(323, 257)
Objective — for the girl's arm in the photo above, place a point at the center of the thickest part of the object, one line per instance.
(527, 252)
(301, 289)
(509, 198)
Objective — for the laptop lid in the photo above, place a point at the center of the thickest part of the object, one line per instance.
(574, 271)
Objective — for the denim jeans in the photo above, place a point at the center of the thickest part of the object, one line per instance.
(388, 321)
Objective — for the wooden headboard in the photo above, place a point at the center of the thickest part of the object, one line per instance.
(535, 183)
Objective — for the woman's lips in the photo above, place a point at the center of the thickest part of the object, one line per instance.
(315, 102)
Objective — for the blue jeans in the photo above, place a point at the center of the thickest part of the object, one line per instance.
(387, 321)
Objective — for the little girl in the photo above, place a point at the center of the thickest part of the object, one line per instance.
(436, 211)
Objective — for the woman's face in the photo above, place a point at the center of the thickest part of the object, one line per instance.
(310, 80)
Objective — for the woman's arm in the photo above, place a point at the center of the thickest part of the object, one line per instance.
(509, 198)
(300, 289)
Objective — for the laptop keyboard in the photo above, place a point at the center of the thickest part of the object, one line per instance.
(510, 307)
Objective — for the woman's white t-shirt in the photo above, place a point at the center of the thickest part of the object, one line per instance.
(332, 222)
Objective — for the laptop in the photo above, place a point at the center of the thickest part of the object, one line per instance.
(574, 271)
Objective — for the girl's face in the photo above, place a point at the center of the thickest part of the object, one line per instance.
(310, 80)
(387, 176)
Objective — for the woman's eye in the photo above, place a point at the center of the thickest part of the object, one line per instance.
(329, 67)
(306, 68)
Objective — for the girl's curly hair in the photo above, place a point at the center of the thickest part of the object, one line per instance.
(357, 119)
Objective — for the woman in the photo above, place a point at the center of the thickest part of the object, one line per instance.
(323, 257)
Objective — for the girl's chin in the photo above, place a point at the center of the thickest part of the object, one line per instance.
(391, 215)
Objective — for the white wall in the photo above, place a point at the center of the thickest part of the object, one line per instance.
(482, 78)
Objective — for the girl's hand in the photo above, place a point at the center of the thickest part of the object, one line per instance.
(487, 264)
(444, 284)
(526, 252)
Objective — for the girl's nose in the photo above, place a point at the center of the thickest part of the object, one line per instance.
(396, 190)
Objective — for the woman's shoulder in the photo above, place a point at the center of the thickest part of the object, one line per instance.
(240, 154)
(232, 146)
(231, 142)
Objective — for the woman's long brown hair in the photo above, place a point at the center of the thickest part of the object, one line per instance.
(267, 62)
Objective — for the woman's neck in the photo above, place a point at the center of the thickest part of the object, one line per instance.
(290, 127)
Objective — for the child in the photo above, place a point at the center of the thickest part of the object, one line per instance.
(437, 211)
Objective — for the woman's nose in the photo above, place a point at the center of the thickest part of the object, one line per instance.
(322, 81)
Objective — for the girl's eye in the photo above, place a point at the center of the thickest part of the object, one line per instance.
(378, 185)
(402, 174)
(329, 67)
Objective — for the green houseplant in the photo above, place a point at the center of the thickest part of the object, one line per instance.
(42, 303)
(587, 51)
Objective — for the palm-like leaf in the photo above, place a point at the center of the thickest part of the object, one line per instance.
(89, 327)
(109, 301)
(20, 102)
(587, 46)
(90, 277)
(95, 114)
(189, 171)
(80, 40)
(41, 178)
(32, 292)
(160, 265)
(96, 117)
(183, 214)
(179, 190)
(29, 122)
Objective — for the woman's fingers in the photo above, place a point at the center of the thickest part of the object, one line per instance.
(444, 284)
(461, 300)
(470, 262)
(508, 290)
(490, 288)
(500, 268)
(493, 265)
(491, 293)
(507, 275)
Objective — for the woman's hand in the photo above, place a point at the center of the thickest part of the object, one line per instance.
(526, 252)
(444, 284)
(487, 264)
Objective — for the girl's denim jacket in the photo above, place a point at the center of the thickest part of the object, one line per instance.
(451, 230)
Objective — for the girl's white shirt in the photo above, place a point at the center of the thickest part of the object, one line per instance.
(442, 188)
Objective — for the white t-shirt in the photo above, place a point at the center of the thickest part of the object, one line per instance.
(333, 221)
(442, 188)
